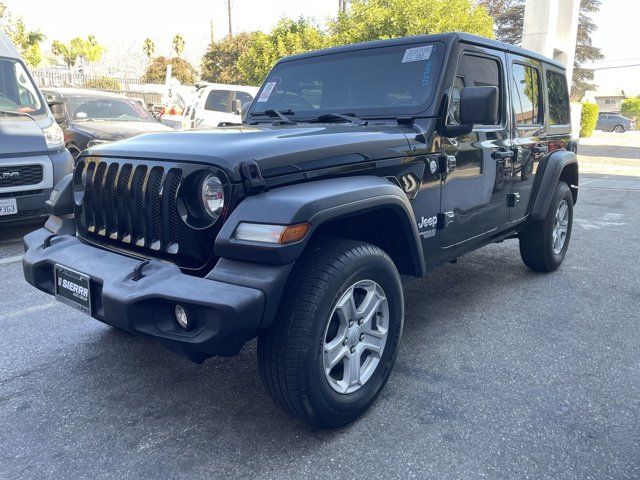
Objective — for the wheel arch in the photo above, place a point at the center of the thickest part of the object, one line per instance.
(561, 165)
(366, 208)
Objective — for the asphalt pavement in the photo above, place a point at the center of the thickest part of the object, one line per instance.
(503, 374)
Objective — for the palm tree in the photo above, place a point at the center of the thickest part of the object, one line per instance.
(149, 48)
(178, 44)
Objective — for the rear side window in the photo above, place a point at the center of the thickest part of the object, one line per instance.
(526, 95)
(558, 99)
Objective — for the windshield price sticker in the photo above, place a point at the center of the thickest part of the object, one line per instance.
(417, 54)
(267, 91)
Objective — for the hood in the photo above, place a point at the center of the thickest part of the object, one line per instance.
(279, 150)
(20, 135)
(114, 130)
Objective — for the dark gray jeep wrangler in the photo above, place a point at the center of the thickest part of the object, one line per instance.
(353, 165)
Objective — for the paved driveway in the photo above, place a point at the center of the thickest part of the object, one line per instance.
(503, 373)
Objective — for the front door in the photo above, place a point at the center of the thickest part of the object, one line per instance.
(474, 192)
(529, 138)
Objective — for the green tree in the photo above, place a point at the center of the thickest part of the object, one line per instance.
(180, 69)
(178, 45)
(288, 37)
(585, 51)
(88, 48)
(631, 107)
(508, 19)
(220, 62)
(26, 41)
(149, 48)
(375, 19)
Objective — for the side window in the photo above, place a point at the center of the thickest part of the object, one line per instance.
(218, 101)
(473, 71)
(526, 95)
(558, 99)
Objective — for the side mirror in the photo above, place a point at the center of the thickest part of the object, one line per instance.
(236, 107)
(479, 105)
(55, 104)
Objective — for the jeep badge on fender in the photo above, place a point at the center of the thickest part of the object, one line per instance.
(353, 166)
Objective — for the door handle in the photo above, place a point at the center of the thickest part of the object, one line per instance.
(502, 154)
(538, 149)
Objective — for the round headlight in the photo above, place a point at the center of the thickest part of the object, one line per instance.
(212, 196)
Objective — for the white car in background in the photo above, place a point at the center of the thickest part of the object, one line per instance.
(216, 104)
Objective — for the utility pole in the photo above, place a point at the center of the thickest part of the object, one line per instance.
(229, 5)
(211, 31)
(342, 5)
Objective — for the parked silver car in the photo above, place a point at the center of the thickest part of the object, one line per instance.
(612, 122)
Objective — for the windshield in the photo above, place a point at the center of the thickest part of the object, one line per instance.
(17, 91)
(88, 108)
(377, 81)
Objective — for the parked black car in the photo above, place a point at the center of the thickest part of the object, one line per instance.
(93, 117)
(354, 165)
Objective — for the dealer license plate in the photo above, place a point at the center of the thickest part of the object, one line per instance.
(73, 288)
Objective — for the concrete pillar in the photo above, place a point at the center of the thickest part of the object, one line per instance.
(550, 28)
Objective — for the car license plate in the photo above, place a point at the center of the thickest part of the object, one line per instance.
(8, 206)
(73, 288)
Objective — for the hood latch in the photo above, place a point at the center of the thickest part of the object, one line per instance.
(252, 177)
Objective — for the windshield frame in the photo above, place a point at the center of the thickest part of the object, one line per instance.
(256, 113)
(43, 111)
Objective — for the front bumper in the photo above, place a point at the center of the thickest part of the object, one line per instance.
(223, 316)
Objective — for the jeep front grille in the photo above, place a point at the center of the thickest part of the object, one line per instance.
(134, 205)
(20, 175)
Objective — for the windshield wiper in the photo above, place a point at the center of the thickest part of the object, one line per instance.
(18, 114)
(349, 117)
(276, 113)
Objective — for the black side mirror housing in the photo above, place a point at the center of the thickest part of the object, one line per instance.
(479, 105)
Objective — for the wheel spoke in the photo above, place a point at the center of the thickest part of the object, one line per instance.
(352, 370)
(346, 307)
(373, 341)
(334, 352)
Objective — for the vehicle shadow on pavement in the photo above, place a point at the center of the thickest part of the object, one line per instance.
(632, 153)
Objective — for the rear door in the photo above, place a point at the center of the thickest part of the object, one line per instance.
(528, 133)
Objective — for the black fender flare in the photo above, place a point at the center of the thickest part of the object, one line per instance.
(316, 202)
(558, 164)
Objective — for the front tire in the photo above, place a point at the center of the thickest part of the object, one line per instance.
(334, 343)
(544, 243)
(619, 129)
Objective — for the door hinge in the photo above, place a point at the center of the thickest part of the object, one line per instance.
(513, 199)
(446, 164)
(252, 177)
(444, 219)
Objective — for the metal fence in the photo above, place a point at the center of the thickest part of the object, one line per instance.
(125, 86)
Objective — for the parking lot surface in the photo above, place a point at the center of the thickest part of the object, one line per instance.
(502, 373)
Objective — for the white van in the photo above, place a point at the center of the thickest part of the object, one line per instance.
(32, 153)
(216, 104)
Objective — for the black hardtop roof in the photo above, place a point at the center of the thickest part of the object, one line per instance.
(439, 37)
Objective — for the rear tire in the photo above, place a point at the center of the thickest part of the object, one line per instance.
(322, 360)
(544, 243)
(619, 129)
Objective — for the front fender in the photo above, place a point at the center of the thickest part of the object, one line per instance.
(315, 202)
(561, 164)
